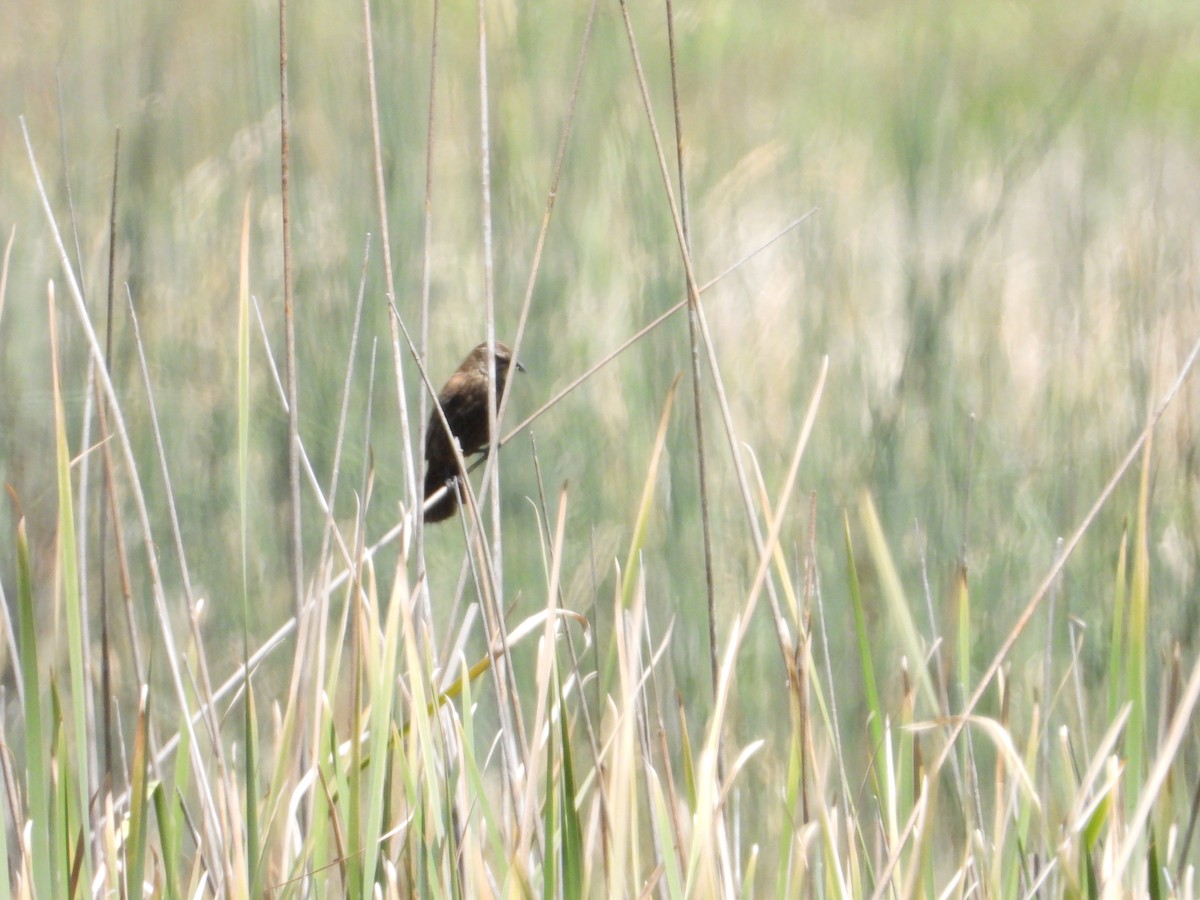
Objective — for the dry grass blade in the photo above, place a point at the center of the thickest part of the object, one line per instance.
(1002, 740)
(766, 554)
(1088, 797)
(340, 435)
(12, 236)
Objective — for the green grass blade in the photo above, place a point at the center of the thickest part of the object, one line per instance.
(5, 888)
(483, 807)
(689, 760)
(632, 561)
(135, 847)
(900, 611)
(243, 385)
(168, 841)
(552, 823)
(572, 830)
(250, 729)
(37, 760)
(382, 694)
(660, 821)
(963, 632)
(870, 686)
(1135, 654)
(1116, 658)
(69, 574)
(253, 837)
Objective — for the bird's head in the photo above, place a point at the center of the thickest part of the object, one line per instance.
(504, 359)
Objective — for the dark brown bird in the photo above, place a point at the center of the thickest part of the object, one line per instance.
(464, 401)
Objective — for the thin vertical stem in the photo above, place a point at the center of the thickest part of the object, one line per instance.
(289, 321)
(62, 146)
(693, 338)
(389, 277)
(489, 294)
(514, 730)
(215, 849)
(709, 347)
(551, 197)
(426, 275)
(539, 247)
(106, 487)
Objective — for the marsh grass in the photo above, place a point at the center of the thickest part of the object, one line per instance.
(953, 534)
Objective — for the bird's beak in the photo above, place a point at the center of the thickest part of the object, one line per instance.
(519, 367)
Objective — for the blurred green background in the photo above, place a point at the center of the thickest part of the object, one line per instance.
(1002, 273)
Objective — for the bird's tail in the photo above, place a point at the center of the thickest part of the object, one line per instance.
(435, 478)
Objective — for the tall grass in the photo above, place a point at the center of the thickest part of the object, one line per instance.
(943, 642)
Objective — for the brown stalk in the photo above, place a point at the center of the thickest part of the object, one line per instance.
(694, 342)
(289, 319)
(710, 348)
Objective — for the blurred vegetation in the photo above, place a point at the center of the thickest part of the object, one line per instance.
(1002, 273)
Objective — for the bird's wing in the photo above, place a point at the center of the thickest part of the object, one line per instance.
(464, 409)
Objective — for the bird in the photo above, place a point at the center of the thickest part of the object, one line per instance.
(464, 401)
